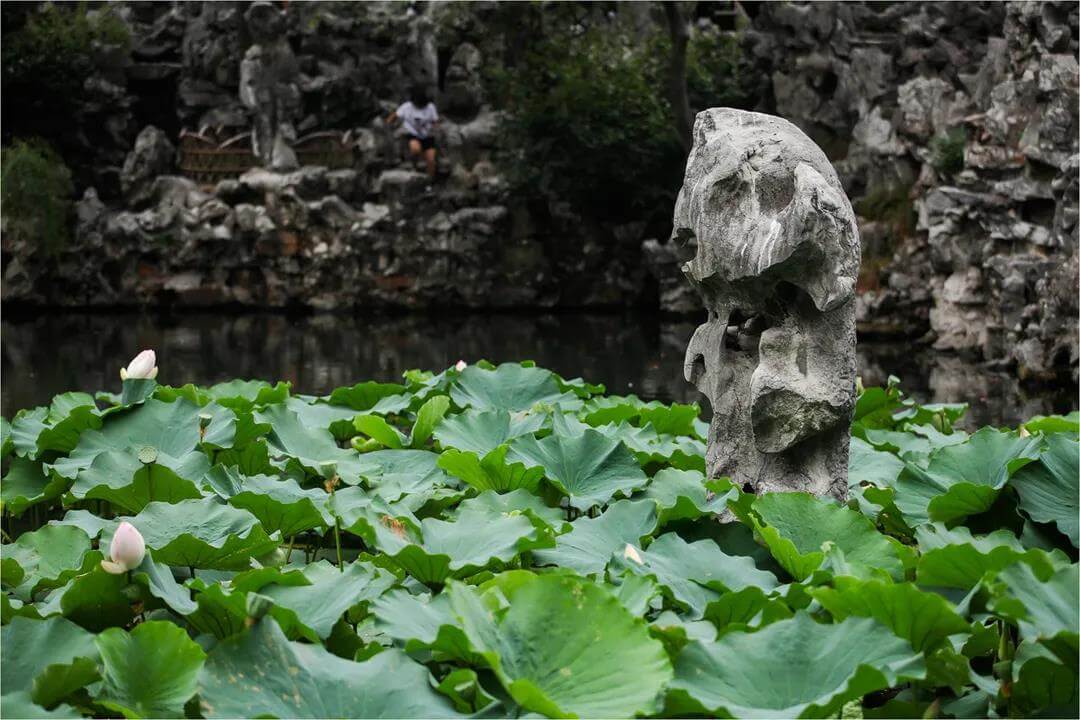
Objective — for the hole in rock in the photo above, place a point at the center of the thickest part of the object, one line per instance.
(1039, 211)
(774, 191)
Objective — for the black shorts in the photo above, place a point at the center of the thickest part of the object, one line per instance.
(427, 143)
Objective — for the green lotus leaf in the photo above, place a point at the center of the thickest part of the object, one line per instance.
(563, 646)
(923, 619)
(311, 610)
(578, 386)
(481, 431)
(424, 495)
(282, 505)
(740, 609)
(687, 495)
(313, 449)
(914, 443)
(428, 417)
(202, 534)
(697, 573)
(590, 544)
(962, 480)
(49, 659)
(27, 484)
(496, 504)
(159, 582)
(636, 593)
(648, 446)
(86, 521)
(1049, 489)
(1042, 685)
(674, 419)
(338, 420)
(510, 386)
(135, 391)
(791, 668)
(492, 472)
(372, 397)
(56, 428)
(93, 599)
(44, 558)
(474, 541)
(19, 705)
(120, 478)
(7, 445)
(1055, 423)
(230, 429)
(1044, 610)
(251, 459)
(373, 466)
(795, 526)
(245, 395)
(172, 428)
(261, 674)
(875, 406)
(870, 465)
(956, 558)
(223, 607)
(379, 430)
(364, 514)
(149, 672)
(676, 631)
(423, 622)
(463, 688)
(590, 469)
(612, 409)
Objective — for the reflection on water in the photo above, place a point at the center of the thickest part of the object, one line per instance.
(52, 353)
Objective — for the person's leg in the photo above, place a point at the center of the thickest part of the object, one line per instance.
(429, 156)
(414, 150)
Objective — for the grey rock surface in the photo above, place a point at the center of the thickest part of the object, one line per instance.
(776, 260)
(268, 87)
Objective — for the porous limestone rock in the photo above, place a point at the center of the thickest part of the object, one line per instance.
(777, 255)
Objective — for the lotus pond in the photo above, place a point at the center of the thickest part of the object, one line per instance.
(502, 541)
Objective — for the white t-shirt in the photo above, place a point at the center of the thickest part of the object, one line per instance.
(418, 121)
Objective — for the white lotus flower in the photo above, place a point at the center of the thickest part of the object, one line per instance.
(631, 553)
(126, 551)
(142, 367)
(461, 365)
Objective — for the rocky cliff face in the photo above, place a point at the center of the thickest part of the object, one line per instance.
(953, 127)
(377, 233)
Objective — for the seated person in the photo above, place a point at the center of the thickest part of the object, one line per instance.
(419, 117)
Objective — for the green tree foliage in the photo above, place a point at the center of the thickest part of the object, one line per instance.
(588, 121)
(587, 118)
(947, 151)
(48, 52)
(35, 195)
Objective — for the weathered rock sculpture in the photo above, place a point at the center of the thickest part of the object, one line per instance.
(777, 256)
(269, 76)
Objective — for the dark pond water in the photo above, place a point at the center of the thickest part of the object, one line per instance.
(53, 353)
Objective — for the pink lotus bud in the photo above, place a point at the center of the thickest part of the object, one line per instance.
(142, 367)
(631, 554)
(126, 551)
(461, 365)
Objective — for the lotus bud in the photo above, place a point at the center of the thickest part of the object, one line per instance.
(631, 554)
(126, 551)
(461, 365)
(142, 367)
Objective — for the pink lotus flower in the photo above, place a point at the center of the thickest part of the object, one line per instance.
(142, 367)
(126, 551)
(461, 365)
